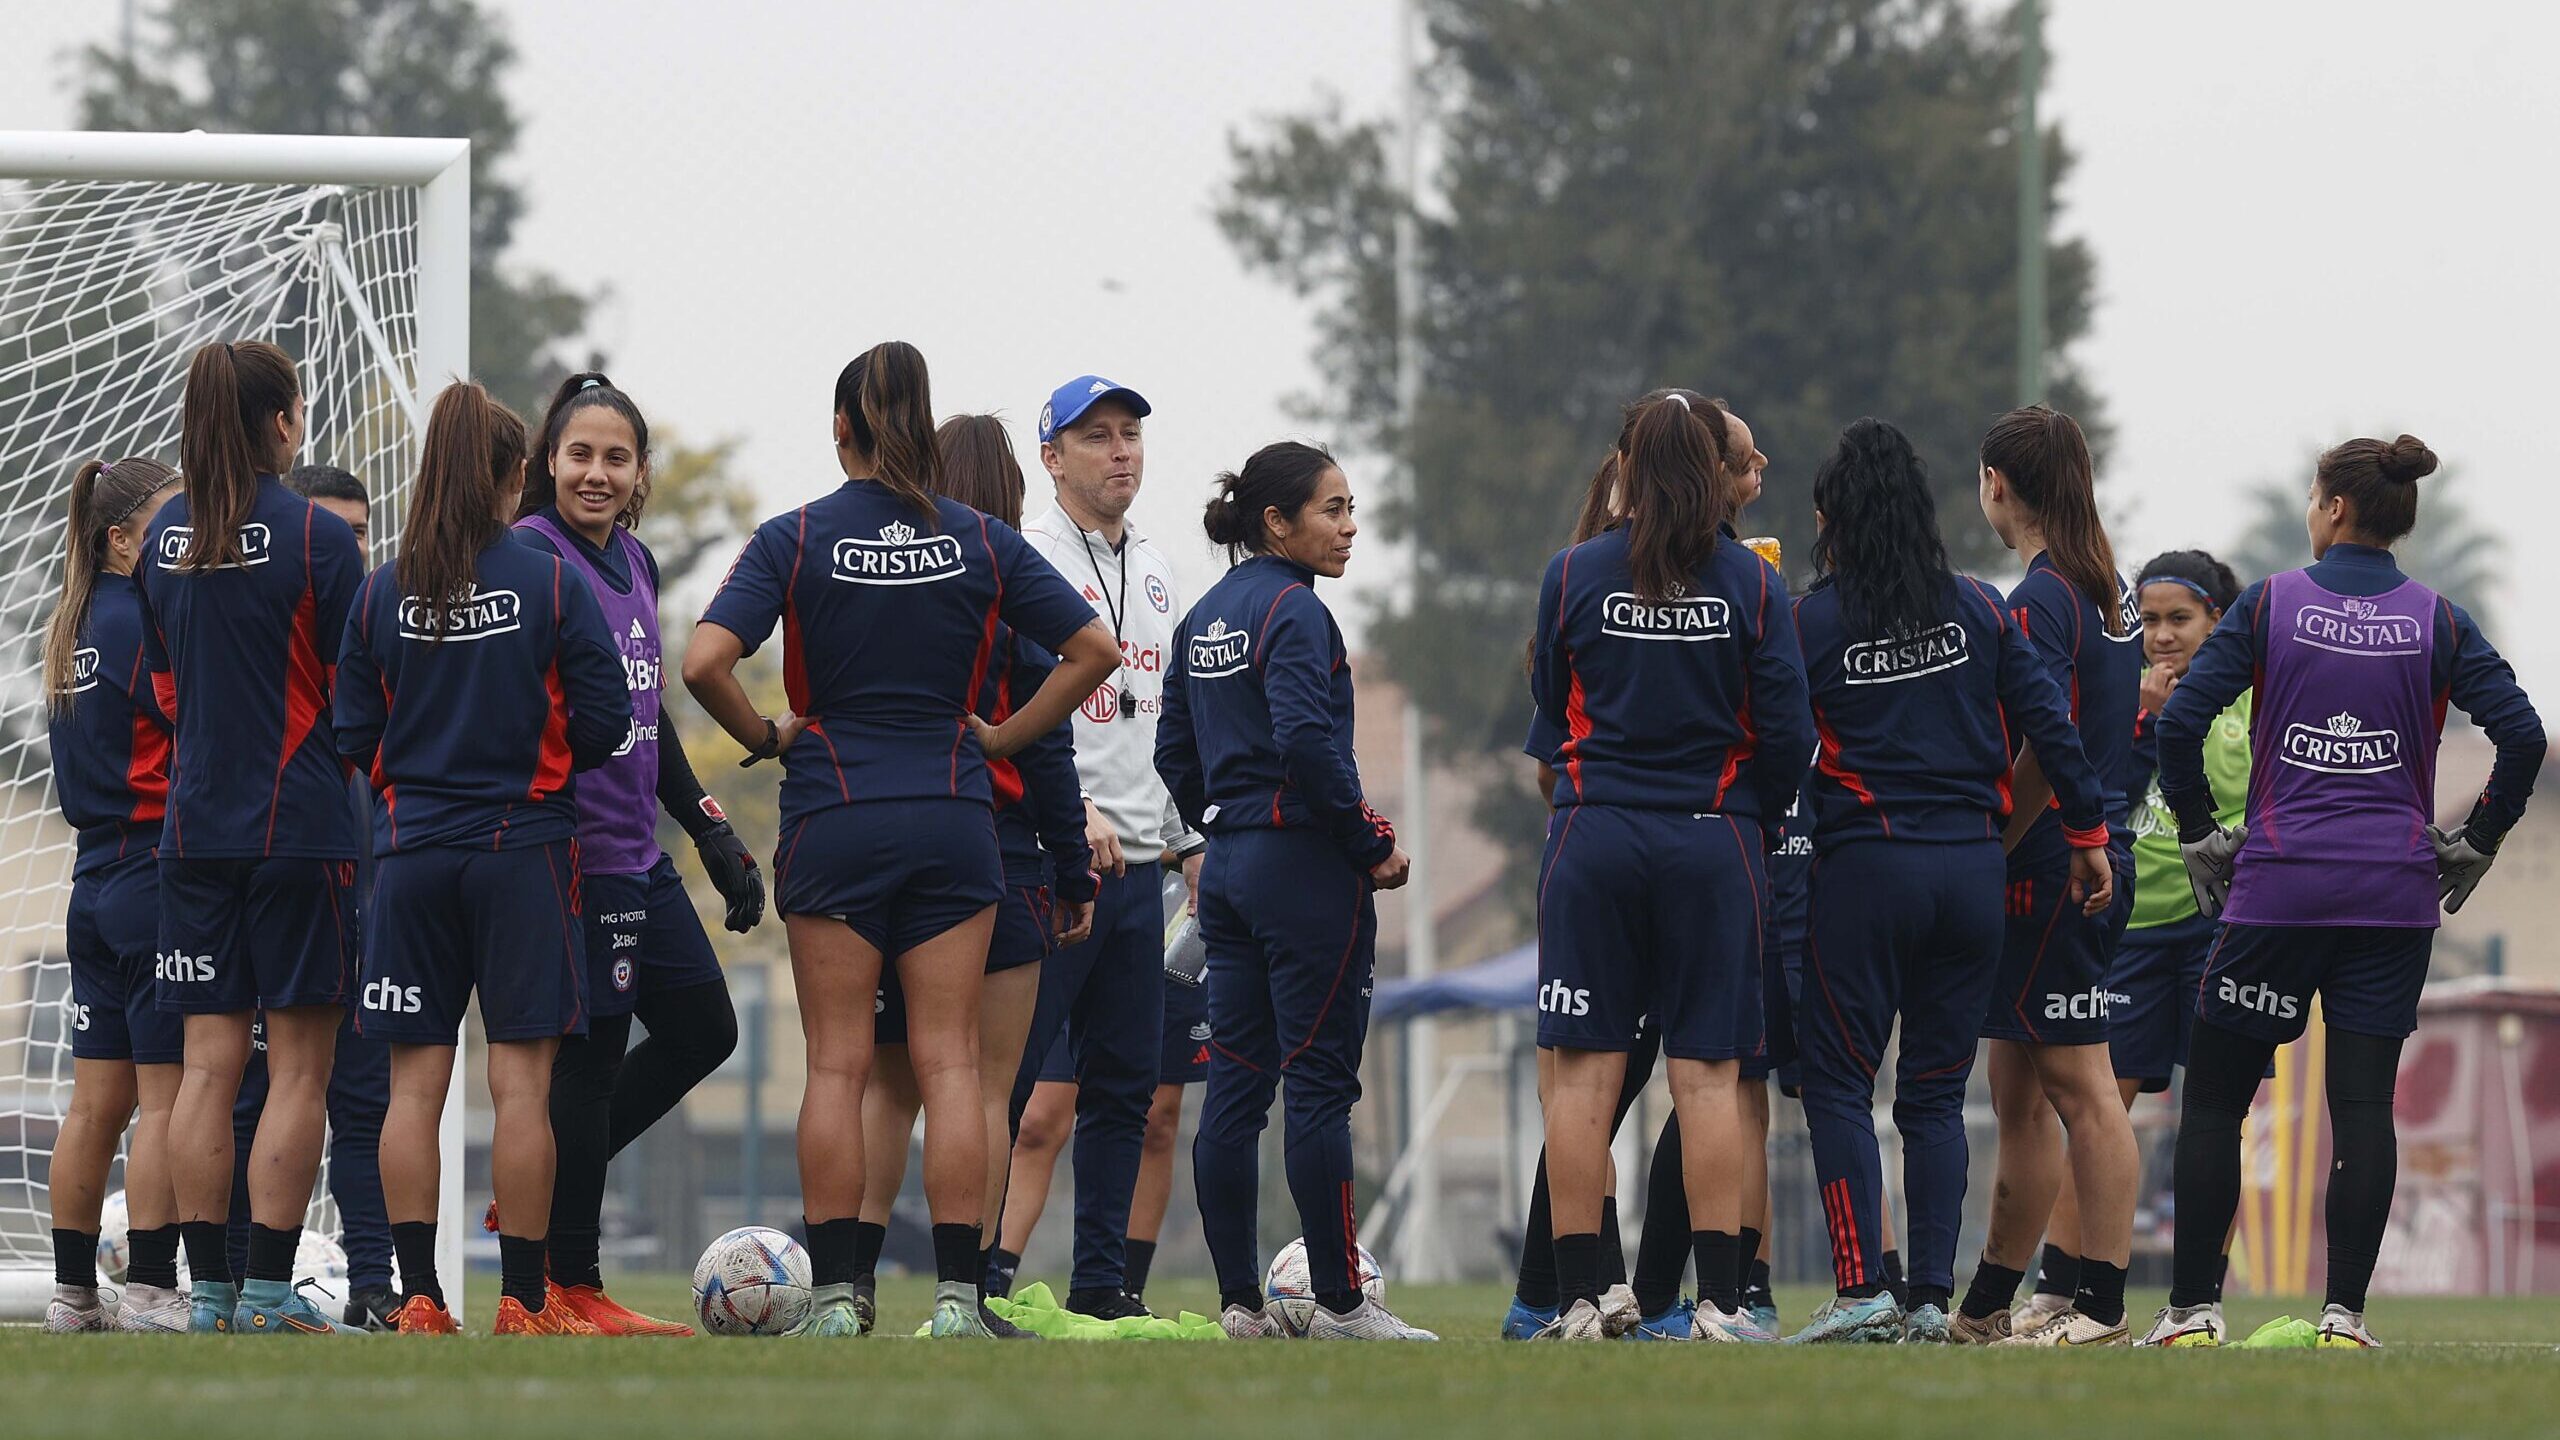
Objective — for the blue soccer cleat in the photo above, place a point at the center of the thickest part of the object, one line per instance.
(1927, 1325)
(1764, 1315)
(1841, 1320)
(1526, 1320)
(1672, 1324)
(210, 1304)
(273, 1307)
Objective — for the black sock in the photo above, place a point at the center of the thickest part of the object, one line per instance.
(2221, 1273)
(414, 1242)
(75, 1258)
(2058, 1272)
(1756, 1286)
(1536, 1287)
(1613, 1246)
(955, 1254)
(2365, 1159)
(2223, 1068)
(1662, 1251)
(583, 1077)
(1340, 1302)
(520, 1270)
(867, 1240)
(1142, 1258)
(1248, 1297)
(1938, 1295)
(1894, 1282)
(1002, 1266)
(1577, 1269)
(1994, 1289)
(1719, 1268)
(152, 1257)
(831, 1251)
(575, 1260)
(2101, 1294)
(271, 1252)
(208, 1245)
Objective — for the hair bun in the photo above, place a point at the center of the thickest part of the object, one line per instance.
(2408, 460)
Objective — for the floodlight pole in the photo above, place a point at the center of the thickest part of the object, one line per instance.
(2031, 217)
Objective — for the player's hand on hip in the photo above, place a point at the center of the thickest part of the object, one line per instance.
(2461, 860)
(1107, 856)
(1072, 921)
(2093, 879)
(1392, 872)
(2210, 858)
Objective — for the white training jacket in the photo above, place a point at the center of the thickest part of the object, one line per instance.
(1116, 752)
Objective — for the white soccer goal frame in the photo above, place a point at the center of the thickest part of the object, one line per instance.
(440, 171)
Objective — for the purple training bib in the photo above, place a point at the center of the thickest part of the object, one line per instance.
(2343, 763)
(618, 800)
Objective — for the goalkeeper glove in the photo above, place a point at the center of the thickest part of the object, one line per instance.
(2209, 858)
(734, 874)
(2461, 859)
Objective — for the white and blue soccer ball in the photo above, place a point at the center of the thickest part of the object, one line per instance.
(1287, 1296)
(751, 1281)
(114, 1251)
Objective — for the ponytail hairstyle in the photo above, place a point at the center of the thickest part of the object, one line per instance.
(978, 467)
(887, 401)
(234, 392)
(1280, 476)
(103, 496)
(2046, 461)
(1673, 488)
(2198, 571)
(472, 445)
(586, 390)
(1879, 544)
(2379, 478)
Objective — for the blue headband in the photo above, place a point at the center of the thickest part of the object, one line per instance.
(2201, 593)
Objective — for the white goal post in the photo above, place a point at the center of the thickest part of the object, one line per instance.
(120, 254)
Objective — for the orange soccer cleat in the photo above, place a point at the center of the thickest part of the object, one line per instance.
(555, 1319)
(422, 1316)
(610, 1317)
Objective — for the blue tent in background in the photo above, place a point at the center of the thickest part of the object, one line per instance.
(1508, 981)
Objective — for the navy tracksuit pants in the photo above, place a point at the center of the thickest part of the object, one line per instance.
(1291, 926)
(359, 1092)
(1106, 994)
(1909, 929)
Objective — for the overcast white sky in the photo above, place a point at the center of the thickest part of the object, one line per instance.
(2310, 219)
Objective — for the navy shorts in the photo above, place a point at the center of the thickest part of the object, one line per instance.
(2259, 979)
(239, 935)
(111, 936)
(445, 921)
(2153, 986)
(1021, 938)
(1651, 912)
(899, 872)
(1186, 1034)
(2052, 988)
(1781, 971)
(642, 934)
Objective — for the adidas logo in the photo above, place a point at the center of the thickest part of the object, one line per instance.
(637, 632)
(1098, 387)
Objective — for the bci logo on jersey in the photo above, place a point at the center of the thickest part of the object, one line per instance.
(643, 672)
(2341, 746)
(1686, 617)
(1557, 998)
(2356, 627)
(901, 556)
(486, 613)
(1219, 651)
(1906, 657)
(84, 668)
(393, 999)
(2261, 998)
(255, 543)
(182, 968)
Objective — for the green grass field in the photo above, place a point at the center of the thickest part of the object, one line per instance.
(2457, 1368)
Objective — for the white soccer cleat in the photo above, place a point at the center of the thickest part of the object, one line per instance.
(2070, 1329)
(2194, 1327)
(1250, 1322)
(2343, 1329)
(1618, 1312)
(1726, 1327)
(152, 1310)
(1580, 1321)
(79, 1310)
(1369, 1320)
(2039, 1311)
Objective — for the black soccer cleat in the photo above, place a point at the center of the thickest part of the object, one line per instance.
(1106, 1305)
(375, 1308)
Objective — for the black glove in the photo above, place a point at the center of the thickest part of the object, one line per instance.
(734, 874)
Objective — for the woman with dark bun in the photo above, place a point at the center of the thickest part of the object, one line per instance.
(2333, 886)
(1255, 746)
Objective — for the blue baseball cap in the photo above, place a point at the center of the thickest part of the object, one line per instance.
(1068, 402)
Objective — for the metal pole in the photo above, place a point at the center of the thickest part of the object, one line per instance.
(2031, 238)
(751, 1122)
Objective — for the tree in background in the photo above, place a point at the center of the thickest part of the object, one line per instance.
(1809, 208)
(2450, 551)
(358, 67)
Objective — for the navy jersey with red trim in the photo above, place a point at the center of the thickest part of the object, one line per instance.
(1695, 703)
(244, 658)
(111, 745)
(888, 626)
(472, 723)
(2101, 679)
(2466, 671)
(1258, 710)
(1039, 802)
(1917, 730)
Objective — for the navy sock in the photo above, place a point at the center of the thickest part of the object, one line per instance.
(414, 1241)
(75, 1258)
(2101, 1294)
(152, 1257)
(867, 1240)
(521, 1275)
(271, 1252)
(1719, 1268)
(1142, 1258)
(1577, 1269)
(1938, 1295)
(2058, 1272)
(208, 1245)
(831, 1246)
(955, 1254)
(1994, 1288)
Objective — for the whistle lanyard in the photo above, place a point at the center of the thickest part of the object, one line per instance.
(1116, 608)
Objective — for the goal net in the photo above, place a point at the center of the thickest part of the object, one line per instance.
(119, 256)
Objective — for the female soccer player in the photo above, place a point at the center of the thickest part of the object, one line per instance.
(2334, 886)
(245, 588)
(1049, 886)
(1917, 676)
(586, 482)
(2048, 1015)
(479, 676)
(1671, 654)
(1255, 746)
(889, 594)
(110, 747)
